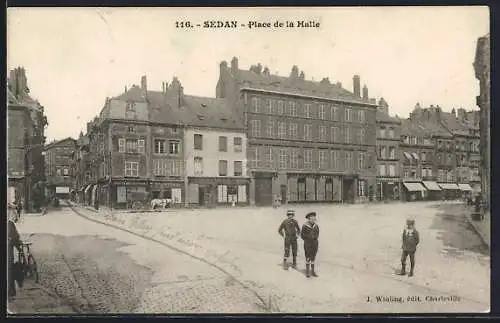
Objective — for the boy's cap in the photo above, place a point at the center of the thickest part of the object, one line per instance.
(410, 221)
(310, 214)
(290, 212)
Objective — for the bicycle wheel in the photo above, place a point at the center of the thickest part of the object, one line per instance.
(33, 268)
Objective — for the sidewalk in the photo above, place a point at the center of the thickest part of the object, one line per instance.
(482, 228)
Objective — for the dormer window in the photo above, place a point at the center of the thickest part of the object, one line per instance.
(131, 129)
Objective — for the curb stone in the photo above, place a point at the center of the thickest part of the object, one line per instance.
(477, 231)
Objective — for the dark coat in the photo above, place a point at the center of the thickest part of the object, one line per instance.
(14, 240)
(410, 241)
(289, 228)
(309, 231)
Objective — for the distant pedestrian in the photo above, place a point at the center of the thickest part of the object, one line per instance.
(310, 234)
(290, 230)
(19, 207)
(410, 240)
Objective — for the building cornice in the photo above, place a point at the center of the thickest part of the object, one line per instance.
(297, 95)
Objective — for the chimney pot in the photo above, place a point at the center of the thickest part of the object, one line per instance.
(234, 65)
(365, 92)
(144, 83)
(356, 83)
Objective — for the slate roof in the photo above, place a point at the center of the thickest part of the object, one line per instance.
(386, 118)
(409, 127)
(54, 143)
(453, 124)
(196, 111)
(270, 82)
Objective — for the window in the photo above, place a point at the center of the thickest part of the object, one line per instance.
(382, 132)
(383, 152)
(270, 129)
(238, 168)
(307, 132)
(308, 158)
(140, 146)
(322, 133)
(392, 152)
(222, 143)
(238, 144)
(347, 115)
(58, 172)
(294, 158)
(269, 156)
(362, 160)
(281, 130)
(222, 167)
(361, 188)
(131, 145)
(307, 110)
(322, 114)
(322, 159)
(256, 104)
(161, 167)
(293, 131)
(175, 167)
(335, 159)
(361, 136)
(348, 160)
(427, 142)
(293, 108)
(391, 132)
(361, 115)
(255, 128)
(174, 147)
(414, 140)
(131, 169)
(198, 166)
(269, 105)
(280, 107)
(121, 145)
(335, 115)
(198, 142)
(335, 134)
(347, 134)
(131, 128)
(406, 174)
(66, 172)
(160, 146)
(283, 158)
(392, 170)
(381, 170)
(423, 156)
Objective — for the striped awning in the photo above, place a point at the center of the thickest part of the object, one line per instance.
(448, 186)
(414, 187)
(465, 187)
(431, 186)
(408, 156)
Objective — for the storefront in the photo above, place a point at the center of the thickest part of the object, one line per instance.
(315, 188)
(205, 191)
(171, 190)
(387, 189)
(434, 192)
(450, 191)
(466, 190)
(413, 191)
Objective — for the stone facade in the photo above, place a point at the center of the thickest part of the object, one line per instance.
(59, 174)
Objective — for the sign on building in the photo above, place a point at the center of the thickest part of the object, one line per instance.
(62, 190)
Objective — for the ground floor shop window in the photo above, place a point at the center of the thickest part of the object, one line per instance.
(231, 193)
(176, 195)
(361, 188)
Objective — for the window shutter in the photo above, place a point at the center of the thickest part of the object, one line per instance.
(121, 145)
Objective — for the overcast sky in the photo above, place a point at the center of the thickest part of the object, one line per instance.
(76, 57)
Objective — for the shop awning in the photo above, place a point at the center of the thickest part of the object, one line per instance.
(448, 186)
(465, 187)
(414, 187)
(87, 188)
(408, 156)
(431, 186)
(415, 156)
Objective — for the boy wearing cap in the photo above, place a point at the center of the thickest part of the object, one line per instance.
(289, 229)
(410, 241)
(310, 234)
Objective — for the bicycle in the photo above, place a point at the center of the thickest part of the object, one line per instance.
(28, 262)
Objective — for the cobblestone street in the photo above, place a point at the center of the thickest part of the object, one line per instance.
(234, 262)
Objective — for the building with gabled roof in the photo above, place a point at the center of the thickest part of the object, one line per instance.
(307, 141)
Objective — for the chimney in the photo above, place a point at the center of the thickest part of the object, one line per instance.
(234, 66)
(461, 114)
(266, 71)
(178, 92)
(295, 72)
(258, 68)
(365, 92)
(339, 84)
(162, 87)
(302, 76)
(438, 113)
(356, 84)
(126, 89)
(144, 83)
(222, 67)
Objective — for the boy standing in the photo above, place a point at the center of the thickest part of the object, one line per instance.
(410, 241)
(289, 229)
(310, 234)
